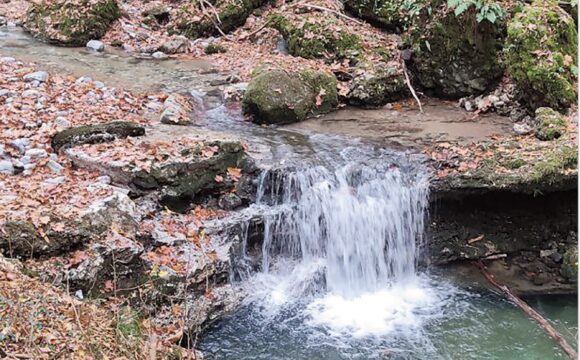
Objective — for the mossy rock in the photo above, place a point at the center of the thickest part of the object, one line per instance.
(551, 171)
(277, 96)
(550, 124)
(541, 55)
(193, 24)
(392, 15)
(71, 23)
(92, 134)
(313, 37)
(455, 56)
(377, 85)
(570, 263)
(214, 49)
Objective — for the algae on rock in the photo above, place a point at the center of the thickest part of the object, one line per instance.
(550, 124)
(277, 96)
(71, 23)
(541, 55)
(193, 23)
(455, 56)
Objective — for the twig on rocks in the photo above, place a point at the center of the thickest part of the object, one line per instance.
(408, 81)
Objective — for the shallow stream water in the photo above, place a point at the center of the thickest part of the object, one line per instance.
(325, 290)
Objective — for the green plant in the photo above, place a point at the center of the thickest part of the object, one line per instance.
(485, 10)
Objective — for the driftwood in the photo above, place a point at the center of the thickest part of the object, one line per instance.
(543, 323)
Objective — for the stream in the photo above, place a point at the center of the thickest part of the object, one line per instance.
(339, 275)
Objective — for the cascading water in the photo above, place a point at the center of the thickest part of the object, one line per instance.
(361, 223)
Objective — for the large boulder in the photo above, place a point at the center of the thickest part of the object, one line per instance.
(226, 16)
(541, 55)
(277, 96)
(393, 15)
(455, 56)
(71, 23)
(376, 85)
(311, 36)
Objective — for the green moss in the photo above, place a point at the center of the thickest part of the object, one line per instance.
(231, 15)
(312, 40)
(550, 124)
(277, 96)
(570, 263)
(72, 24)
(550, 170)
(540, 52)
(394, 15)
(514, 164)
(214, 49)
(455, 56)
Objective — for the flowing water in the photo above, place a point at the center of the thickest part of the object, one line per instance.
(338, 276)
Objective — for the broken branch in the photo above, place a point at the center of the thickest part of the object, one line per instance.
(543, 323)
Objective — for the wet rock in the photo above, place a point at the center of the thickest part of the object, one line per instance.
(550, 124)
(95, 45)
(40, 76)
(71, 24)
(455, 56)
(175, 111)
(175, 45)
(280, 97)
(90, 134)
(542, 79)
(377, 85)
(205, 310)
(6, 167)
(229, 201)
(570, 263)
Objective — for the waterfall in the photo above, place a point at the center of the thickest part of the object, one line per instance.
(358, 226)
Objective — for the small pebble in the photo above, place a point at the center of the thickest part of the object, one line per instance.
(36, 153)
(159, 55)
(6, 167)
(96, 45)
(54, 166)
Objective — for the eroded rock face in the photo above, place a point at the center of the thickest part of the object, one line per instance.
(282, 97)
(455, 56)
(92, 134)
(71, 23)
(541, 55)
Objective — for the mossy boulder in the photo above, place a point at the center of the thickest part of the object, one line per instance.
(312, 36)
(550, 124)
(377, 85)
(392, 15)
(541, 55)
(92, 134)
(455, 56)
(193, 23)
(70, 23)
(277, 96)
(570, 263)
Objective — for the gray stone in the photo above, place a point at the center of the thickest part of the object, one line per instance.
(41, 76)
(159, 55)
(20, 144)
(96, 45)
(5, 93)
(522, 128)
(99, 84)
(54, 166)
(6, 167)
(177, 44)
(30, 93)
(83, 80)
(55, 181)
(36, 153)
(62, 122)
(469, 106)
(229, 201)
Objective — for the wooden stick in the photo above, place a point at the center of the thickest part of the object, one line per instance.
(255, 31)
(408, 81)
(544, 324)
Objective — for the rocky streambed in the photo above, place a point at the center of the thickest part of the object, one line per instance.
(165, 212)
